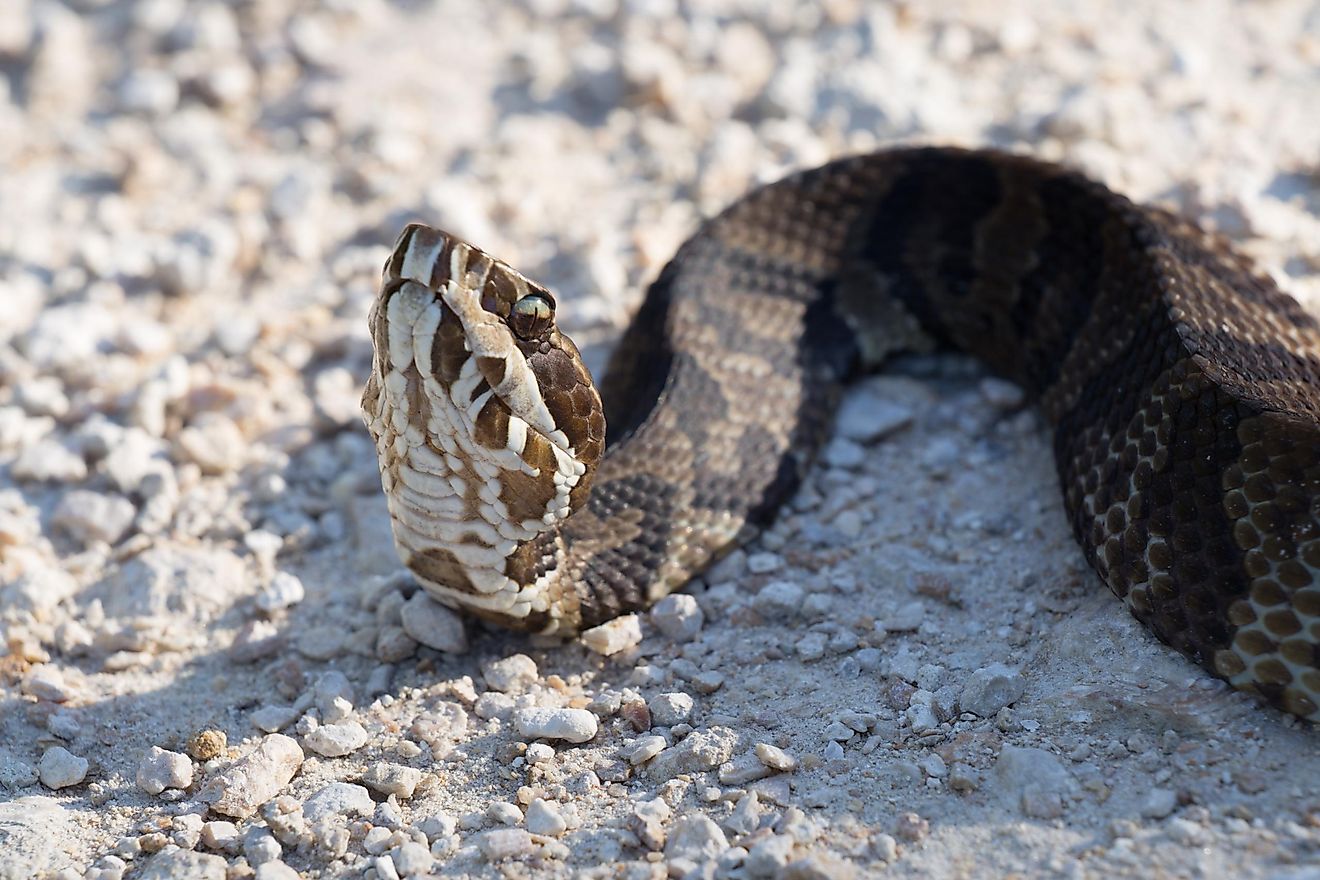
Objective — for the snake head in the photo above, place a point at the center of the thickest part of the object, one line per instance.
(487, 423)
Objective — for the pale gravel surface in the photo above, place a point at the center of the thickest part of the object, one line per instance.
(195, 205)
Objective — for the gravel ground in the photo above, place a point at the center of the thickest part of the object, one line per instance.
(214, 667)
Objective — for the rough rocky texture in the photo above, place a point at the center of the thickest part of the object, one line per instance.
(201, 200)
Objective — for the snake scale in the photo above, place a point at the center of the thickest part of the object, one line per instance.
(1183, 390)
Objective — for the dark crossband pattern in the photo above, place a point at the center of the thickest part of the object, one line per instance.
(1183, 389)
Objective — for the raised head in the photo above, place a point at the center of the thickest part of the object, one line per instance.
(487, 424)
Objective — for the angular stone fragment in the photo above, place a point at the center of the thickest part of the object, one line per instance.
(255, 778)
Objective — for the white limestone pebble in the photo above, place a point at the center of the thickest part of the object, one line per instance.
(276, 870)
(173, 863)
(50, 461)
(333, 693)
(504, 813)
(505, 843)
(511, 674)
(338, 799)
(570, 725)
(394, 779)
(412, 859)
(60, 768)
(643, 749)
(671, 708)
(336, 740)
(991, 688)
(214, 443)
(866, 418)
(775, 758)
(161, 769)
(545, 818)
(678, 616)
(89, 517)
(779, 599)
(221, 836)
(696, 838)
(284, 591)
(614, 635)
(433, 625)
(45, 681)
(255, 778)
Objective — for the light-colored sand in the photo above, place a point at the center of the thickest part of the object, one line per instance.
(195, 203)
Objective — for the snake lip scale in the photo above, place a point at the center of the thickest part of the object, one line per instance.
(1182, 388)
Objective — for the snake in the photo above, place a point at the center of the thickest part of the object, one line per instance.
(1181, 387)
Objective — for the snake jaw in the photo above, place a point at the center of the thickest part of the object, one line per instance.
(481, 454)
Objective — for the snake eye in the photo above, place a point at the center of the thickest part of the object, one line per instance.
(532, 315)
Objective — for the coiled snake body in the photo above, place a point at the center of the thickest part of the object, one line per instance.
(1183, 390)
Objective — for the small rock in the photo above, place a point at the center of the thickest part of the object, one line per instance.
(614, 635)
(779, 599)
(769, 855)
(333, 693)
(284, 591)
(255, 778)
(843, 454)
(678, 616)
(699, 751)
(775, 758)
(260, 846)
(207, 744)
(221, 836)
(643, 749)
(505, 843)
(49, 461)
(412, 859)
(60, 768)
(572, 725)
(338, 799)
(214, 443)
(866, 418)
(433, 625)
(907, 618)
(990, 688)
(1159, 803)
(911, 827)
(504, 813)
(764, 563)
(276, 870)
(91, 517)
(670, 709)
(884, 847)
(336, 740)
(921, 717)
(393, 779)
(511, 674)
(544, 818)
(171, 864)
(271, 719)
(45, 682)
(696, 838)
(161, 769)
(321, 642)
(743, 769)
